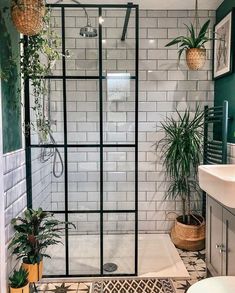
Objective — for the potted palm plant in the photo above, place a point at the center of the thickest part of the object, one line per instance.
(193, 45)
(35, 231)
(181, 149)
(19, 281)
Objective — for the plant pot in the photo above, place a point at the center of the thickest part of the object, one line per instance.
(195, 58)
(34, 270)
(189, 237)
(24, 289)
(27, 16)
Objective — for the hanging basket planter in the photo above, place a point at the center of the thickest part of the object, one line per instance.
(195, 58)
(27, 16)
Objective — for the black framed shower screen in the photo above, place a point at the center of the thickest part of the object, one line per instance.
(66, 212)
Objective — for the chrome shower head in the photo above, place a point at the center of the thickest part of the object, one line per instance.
(88, 31)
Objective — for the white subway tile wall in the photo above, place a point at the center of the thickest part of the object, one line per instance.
(164, 85)
(14, 194)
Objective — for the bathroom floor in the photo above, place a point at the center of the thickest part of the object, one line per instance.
(196, 266)
(194, 262)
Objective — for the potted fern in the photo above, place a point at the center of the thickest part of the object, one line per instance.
(181, 150)
(34, 232)
(19, 281)
(193, 45)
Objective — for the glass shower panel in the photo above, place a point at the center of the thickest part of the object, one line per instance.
(119, 242)
(48, 179)
(119, 179)
(58, 181)
(56, 27)
(98, 188)
(50, 111)
(41, 180)
(83, 51)
(83, 179)
(84, 244)
(119, 109)
(118, 55)
(56, 264)
(83, 111)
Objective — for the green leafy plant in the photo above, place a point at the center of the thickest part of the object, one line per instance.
(34, 232)
(39, 57)
(19, 278)
(194, 40)
(181, 150)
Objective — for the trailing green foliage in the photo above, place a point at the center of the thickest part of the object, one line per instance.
(19, 278)
(181, 149)
(193, 40)
(34, 232)
(40, 55)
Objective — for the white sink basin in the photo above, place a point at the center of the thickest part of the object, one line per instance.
(219, 182)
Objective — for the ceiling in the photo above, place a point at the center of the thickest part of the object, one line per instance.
(163, 4)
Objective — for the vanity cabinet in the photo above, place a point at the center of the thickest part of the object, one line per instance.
(220, 240)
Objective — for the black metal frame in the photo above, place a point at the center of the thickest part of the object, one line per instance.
(127, 18)
(215, 152)
(101, 145)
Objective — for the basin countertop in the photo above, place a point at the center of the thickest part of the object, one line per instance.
(219, 182)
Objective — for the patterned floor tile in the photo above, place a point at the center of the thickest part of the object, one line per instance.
(65, 288)
(194, 262)
(196, 266)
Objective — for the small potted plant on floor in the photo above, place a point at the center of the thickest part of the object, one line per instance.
(181, 150)
(35, 231)
(19, 281)
(193, 45)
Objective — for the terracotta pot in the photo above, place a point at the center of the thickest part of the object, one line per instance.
(195, 58)
(24, 289)
(189, 237)
(34, 270)
(27, 16)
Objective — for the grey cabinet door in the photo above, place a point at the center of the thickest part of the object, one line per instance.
(214, 236)
(229, 243)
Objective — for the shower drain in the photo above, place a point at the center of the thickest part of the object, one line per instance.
(110, 267)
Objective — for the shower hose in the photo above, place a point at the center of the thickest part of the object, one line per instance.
(46, 155)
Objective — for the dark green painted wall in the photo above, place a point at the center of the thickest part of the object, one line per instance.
(9, 60)
(225, 86)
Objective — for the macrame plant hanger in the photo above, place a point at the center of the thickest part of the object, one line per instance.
(196, 21)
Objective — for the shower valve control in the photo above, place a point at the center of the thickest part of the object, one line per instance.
(222, 249)
(219, 246)
(53, 122)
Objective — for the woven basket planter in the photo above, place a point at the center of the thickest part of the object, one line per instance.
(27, 16)
(189, 237)
(195, 58)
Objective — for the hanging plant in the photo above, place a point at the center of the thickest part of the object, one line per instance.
(27, 16)
(193, 45)
(43, 46)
